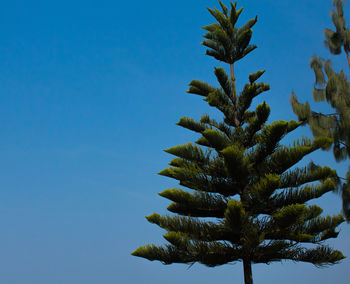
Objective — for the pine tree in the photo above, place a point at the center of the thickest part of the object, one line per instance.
(334, 88)
(246, 200)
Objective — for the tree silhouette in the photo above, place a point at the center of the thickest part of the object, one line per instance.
(246, 200)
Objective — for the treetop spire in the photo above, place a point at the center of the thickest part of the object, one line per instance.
(225, 41)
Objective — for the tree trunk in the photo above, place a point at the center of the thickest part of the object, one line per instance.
(248, 277)
(347, 55)
(234, 99)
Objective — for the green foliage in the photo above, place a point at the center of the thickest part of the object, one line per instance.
(225, 41)
(341, 36)
(333, 88)
(241, 177)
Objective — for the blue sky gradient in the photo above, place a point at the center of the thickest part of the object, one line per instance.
(90, 94)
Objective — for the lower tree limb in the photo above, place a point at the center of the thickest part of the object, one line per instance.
(247, 267)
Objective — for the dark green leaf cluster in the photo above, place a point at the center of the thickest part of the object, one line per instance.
(334, 88)
(247, 200)
(341, 36)
(225, 41)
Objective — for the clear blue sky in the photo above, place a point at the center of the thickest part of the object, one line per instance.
(90, 94)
